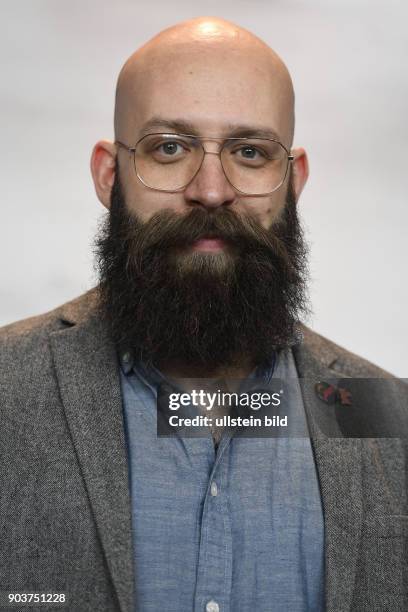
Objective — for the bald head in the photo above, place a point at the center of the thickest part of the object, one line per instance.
(209, 71)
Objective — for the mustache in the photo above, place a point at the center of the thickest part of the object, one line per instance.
(167, 229)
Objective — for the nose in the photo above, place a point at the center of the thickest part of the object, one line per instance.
(210, 186)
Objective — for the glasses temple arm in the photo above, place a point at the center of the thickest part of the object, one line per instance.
(125, 146)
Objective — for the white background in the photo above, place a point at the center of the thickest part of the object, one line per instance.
(348, 59)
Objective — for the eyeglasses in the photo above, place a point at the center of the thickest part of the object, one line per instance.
(169, 162)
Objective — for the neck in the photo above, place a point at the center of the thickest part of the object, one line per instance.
(179, 369)
(190, 377)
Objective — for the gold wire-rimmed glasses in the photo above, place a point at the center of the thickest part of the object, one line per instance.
(169, 162)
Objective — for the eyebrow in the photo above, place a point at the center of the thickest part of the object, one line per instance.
(182, 126)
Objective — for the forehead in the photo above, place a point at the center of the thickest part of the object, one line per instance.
(211, 91)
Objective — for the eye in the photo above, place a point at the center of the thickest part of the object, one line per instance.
(170, 148)
(249, 152)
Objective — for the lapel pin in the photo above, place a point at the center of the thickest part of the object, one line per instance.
(326, 392)
(330, 394)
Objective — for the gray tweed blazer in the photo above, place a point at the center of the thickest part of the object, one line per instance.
(65, 522)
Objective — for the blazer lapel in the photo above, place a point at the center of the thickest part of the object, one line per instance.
(338, 462)
(87, 372)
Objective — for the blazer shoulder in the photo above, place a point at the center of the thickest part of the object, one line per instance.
(22, 339)
(340, 359)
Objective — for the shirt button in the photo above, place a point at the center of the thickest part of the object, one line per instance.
(212, 606)
(214, 492)
(126, 357)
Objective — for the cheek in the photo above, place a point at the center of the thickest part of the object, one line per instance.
(266, 210)
(274, 209)
(146, 202)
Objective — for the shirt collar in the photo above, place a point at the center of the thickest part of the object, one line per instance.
(129, 364)
(263, 372)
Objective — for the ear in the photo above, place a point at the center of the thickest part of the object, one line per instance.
(300, 172)
(103, 160)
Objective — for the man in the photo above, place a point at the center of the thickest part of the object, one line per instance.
(202, 270)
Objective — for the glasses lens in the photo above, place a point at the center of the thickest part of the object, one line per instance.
(253, 165)
(167, 161)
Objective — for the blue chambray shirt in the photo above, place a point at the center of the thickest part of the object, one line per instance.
(237, 529)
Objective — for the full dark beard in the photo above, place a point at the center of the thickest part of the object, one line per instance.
(169, 304)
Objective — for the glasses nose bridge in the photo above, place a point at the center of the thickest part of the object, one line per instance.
(218, 153)
(204, 139)
(220, 147)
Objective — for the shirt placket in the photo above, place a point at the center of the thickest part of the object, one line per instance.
(214, 571)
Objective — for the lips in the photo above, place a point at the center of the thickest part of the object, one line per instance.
(209, 244)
